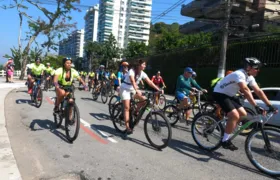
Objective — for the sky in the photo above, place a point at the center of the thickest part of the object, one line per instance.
(10, 21)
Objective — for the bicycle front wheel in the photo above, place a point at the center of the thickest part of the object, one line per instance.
(72, 122)
(118, 118)
(104, 95)
(39, 98)
(161, 102)
(94, 94)
(171, 112)
(207, 132)
(113, 100)
(264, 156)
(157, 130)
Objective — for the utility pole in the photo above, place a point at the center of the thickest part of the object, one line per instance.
(223, 53)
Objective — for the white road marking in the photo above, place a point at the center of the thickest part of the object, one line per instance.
(86, 124)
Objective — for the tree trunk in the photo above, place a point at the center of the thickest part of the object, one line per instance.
(25, 55)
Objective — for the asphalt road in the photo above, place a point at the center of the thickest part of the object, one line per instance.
(42, 152)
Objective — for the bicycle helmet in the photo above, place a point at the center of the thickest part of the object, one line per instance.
(38, 59)
(194, 74)
(48, 64)
(101, 66)
(125, 63)
(253, 62)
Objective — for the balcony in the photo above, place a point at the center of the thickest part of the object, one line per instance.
(193, 9)
(149, 2)
(196, 26)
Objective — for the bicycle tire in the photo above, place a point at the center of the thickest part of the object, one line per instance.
(39, 93)
(156, 127)
(195, 131)
(77, 122)
(118, 118)
(208, 107)
(252, 158)
(104, 95)
(169, 115)
(58, 118)
(94, 94)
(112, 102)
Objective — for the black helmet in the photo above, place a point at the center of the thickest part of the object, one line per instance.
(253, 62)
(66, 59)
(38, 59)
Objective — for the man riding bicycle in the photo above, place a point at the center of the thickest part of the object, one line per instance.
(48, 71)
(36, 70)
(158, 81)
(225, 94)
(63, 81)
(91, 76)
(186, 84)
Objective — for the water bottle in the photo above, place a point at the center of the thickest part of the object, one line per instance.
(64, 105)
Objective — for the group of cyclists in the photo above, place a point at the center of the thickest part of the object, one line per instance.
(129, 76)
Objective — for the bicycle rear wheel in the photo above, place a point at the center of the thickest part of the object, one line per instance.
(94, 94)
(157, 130)
(265, 157)
(39, 97)
(113, 100)
(171, 112)
(207, 132)
(104, 95)
(118, 118)
(72, 122)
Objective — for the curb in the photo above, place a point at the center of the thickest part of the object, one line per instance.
(8, 165)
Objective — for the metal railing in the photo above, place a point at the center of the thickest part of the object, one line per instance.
(16, 73)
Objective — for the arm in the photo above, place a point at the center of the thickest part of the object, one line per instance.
(247, 93)
(55, 81)
(181, 82)
(194, 83)
(132, 80)
(81, 80)
(261, 94)
(151, 84)
(163, 82)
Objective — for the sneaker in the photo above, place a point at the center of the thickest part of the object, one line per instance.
(228, 145)
(30, 91)
(56, 109)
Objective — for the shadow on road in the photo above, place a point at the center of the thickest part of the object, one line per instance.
(90, 99)
(24, 91)
(100, 116)
(113, 132)
(48, 125)
(24, 101)
(184, 148)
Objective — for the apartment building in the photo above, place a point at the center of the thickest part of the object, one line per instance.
(73, 45)
(127, 20)
(91, 23)
(244, 13)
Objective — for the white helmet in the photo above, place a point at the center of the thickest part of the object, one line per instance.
(253, 62)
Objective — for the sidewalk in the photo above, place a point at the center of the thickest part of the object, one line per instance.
(8, 165)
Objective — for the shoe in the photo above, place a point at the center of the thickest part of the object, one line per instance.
(228, 145)
(30, 91)
(56, 109)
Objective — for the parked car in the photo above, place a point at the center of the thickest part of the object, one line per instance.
(273, 94)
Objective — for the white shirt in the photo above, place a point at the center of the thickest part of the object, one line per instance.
(229, 84)
(131, 72)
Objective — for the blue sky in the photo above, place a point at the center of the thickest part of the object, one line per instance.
(10, 21)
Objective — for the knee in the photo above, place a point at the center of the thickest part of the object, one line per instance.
(234, 115)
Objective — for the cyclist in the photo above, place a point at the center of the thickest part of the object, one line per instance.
(63, 81)
(48, 71)
(130, 85)
(158, 80)
(186, 84)
(35, 70)
(121, 75)
(225, 94)
(91, 77)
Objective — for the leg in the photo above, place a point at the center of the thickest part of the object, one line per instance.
(30, 83)
(139, 105)
(60, 94)
(126, 106)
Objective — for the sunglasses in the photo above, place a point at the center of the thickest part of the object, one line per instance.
(257, 68)
(68, 58)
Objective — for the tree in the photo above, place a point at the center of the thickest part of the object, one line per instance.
(93, 51)
(78, 63)
(110, 50)
(135, 49)
(1, 67)
(52, 24)
(55, 61)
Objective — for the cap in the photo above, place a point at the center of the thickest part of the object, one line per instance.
(189, 70)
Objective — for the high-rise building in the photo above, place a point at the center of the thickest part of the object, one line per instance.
(73, 45)
(91, 23)
(244, 13)
(127, 20)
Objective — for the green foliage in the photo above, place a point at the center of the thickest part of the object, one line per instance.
(16, 55)
(93, 52)
(78, 63)
(55, 61)
(135, 49)
(1, 67)
(110, 51)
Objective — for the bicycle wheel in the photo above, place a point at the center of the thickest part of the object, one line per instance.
(195, 109)
(104, 95)
(39, 97)
(58, 117)
(118, 118)
(113, 100)
(157, 130)
(264, 157)
(207, 132)
(171, 113)
(208, 107)
(94, 94)
(161, 102)
(72, 122)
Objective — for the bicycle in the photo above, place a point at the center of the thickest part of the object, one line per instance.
(156, 125)
(161, 100)
(48, 83)
(212, 129)
(112, 102)
(65, 108)
(37, 93)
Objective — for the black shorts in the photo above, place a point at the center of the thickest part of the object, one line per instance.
(115, 86)
(227, 103)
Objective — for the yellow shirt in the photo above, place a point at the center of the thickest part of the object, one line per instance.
(37, 70)
(91, 74)
(62, 76)
(113, 76)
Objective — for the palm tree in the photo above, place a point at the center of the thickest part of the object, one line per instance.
(93, 51)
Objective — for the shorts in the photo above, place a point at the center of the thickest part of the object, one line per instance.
(180, 96)
(10, 73)
(115, 86)
(226, 102)
(126, 94)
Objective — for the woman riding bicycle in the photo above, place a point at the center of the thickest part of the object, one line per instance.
(130, 85)
(121, 75)
(63, 81)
